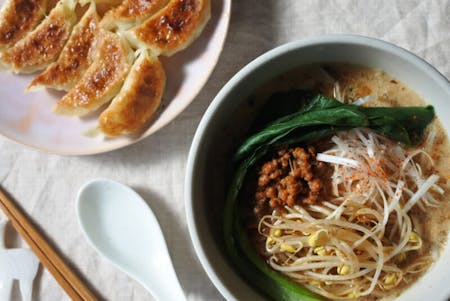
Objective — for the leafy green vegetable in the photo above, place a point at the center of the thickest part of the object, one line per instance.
(405, 124)
(301, 116)
(250, 264)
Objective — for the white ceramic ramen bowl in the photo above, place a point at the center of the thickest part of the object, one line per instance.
(226, 121)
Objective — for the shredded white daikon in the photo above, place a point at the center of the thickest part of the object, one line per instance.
(363, 100)
(337, 92)
(338, 160)
(366, 159)
(350, 246)
(421, 192)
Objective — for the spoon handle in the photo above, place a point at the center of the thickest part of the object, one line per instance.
(121, 227)
(169, 290)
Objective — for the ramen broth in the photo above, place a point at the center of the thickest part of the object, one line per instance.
(349, 83)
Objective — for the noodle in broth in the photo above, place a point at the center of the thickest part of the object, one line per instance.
(381, 214)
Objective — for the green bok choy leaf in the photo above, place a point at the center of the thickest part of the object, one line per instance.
(301, 116)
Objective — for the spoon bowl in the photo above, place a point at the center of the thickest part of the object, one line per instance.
(121, 227)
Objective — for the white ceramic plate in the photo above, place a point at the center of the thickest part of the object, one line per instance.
(27, 117)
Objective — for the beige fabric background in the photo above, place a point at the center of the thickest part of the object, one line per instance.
(46, 184)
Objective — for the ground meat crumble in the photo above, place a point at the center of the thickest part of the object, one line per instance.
(292, 177)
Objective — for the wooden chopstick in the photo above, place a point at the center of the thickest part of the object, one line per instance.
(68, 280)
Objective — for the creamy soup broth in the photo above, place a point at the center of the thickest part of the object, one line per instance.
(349, 83)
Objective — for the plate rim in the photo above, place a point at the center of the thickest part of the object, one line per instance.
(177, 111)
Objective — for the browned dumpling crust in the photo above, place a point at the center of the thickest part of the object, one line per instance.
(131, 13)
(173, 28)
(103, 79)
(94, 60)
(44, 44)
(75, 58)
(138, 99)
(17, 18)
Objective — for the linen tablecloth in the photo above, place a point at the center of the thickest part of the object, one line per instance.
(46, 185)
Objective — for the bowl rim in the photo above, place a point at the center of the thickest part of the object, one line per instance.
(192, 160)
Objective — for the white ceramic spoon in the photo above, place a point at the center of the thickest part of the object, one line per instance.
(122, 228)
